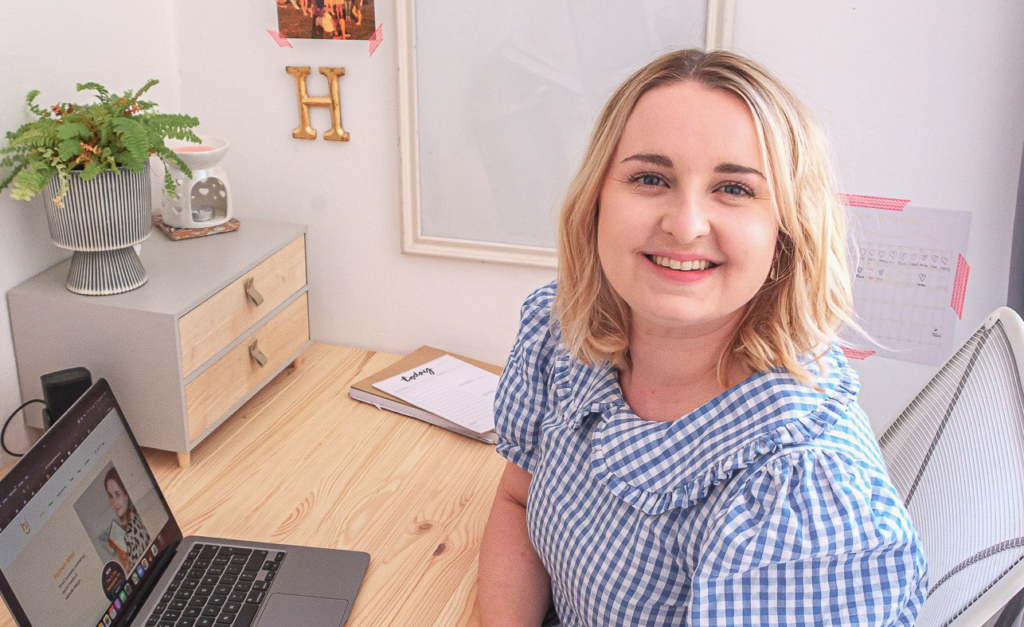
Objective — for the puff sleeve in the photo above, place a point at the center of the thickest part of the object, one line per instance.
(809, 538)
(523, 396)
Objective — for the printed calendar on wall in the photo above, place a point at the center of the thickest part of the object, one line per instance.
(909, 276)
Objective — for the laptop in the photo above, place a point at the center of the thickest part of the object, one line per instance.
(87, 540)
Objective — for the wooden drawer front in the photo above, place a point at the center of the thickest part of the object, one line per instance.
(227, 314)
(236, 374)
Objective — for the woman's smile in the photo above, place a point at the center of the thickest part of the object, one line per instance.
(683, 271)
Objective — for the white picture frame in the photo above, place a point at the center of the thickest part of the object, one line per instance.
(718, 35)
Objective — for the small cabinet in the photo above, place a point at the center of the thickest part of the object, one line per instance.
(219, 317)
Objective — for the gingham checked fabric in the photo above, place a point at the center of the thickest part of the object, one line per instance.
(769, 505)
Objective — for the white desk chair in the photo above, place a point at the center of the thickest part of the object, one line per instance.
(956, 456)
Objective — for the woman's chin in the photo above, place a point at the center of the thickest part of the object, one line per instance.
(684, 321)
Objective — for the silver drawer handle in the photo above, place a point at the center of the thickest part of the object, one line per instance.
(253, 294)
(257, 354)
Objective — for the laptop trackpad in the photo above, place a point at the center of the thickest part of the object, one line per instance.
(293, 609)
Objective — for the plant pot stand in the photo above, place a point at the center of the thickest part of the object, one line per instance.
(105, 272)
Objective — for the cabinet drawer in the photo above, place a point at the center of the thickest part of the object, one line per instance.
(230, 312)
(236, 374)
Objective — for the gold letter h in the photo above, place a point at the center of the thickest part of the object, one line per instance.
(305, 131)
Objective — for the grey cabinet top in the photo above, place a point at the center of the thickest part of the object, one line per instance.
(182, 274)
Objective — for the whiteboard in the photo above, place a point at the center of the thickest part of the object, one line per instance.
(497, 104)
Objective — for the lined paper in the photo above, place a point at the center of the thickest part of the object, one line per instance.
(449, 387)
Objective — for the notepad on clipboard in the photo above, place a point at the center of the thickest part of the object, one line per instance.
(456, 394)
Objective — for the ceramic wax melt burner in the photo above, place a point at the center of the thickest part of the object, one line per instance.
(205, 199)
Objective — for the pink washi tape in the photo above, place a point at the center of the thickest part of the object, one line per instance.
(280, 39)
(960, 286)
(856, 353)
(873, 202)
(376, 38)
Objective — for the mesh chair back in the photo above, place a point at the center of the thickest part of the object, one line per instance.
(956, 456)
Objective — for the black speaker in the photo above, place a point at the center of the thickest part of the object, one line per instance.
(60, 391)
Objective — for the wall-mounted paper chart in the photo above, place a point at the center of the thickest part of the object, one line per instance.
(910, 276)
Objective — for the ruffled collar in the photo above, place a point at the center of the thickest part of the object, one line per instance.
(658, 466)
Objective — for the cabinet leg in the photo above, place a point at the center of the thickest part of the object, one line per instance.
(184, 460)
(295, 365)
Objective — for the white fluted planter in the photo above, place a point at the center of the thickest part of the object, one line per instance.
(101, 221)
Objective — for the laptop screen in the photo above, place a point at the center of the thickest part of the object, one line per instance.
(82, 524)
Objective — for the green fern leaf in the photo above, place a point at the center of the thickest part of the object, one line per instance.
(144, 88)
(30, 181)
(33, 179)
(169, 185)
(104, 133)
(30, 100)
(68, 149)
(134, 136)
(20, 193)
(36, 139)
(13, 173)
(130, 161)
(14, 155)
(73, 130)
(166, 154)
(96, 87)
(93, 169)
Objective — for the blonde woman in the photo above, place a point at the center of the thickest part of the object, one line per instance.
(683, 437)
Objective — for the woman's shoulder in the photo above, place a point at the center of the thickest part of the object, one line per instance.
(524, 394)
(538, 334)
(835, 495)
(842, 465)
(540, 302)
(799, 512)
(830, 419)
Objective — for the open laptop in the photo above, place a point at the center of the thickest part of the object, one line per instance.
(87, 540)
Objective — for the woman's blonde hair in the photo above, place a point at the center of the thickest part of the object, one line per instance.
(809, 299)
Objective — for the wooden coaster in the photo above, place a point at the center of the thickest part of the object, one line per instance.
(176, 234)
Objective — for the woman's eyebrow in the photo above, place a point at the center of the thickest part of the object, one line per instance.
(733, 168)
(652, 158)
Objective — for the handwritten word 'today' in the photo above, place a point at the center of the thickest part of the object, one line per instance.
(412, 377)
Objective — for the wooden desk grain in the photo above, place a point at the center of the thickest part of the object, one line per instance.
(302, 463)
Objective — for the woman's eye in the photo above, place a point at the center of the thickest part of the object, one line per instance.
(648, 180)
(736, 189)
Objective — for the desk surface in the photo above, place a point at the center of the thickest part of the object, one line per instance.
(302, 463)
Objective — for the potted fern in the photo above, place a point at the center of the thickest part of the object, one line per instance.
(90, 162)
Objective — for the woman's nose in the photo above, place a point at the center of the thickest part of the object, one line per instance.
(685, 218)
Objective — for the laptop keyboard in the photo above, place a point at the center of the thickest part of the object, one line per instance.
(217, 586)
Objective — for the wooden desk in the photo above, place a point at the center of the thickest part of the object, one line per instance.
(302, 463)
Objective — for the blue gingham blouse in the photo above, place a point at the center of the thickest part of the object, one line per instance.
(769, 505)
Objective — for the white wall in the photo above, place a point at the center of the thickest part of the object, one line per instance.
(363, 291)
(924, 100)
(50, 47)
(943, 140)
